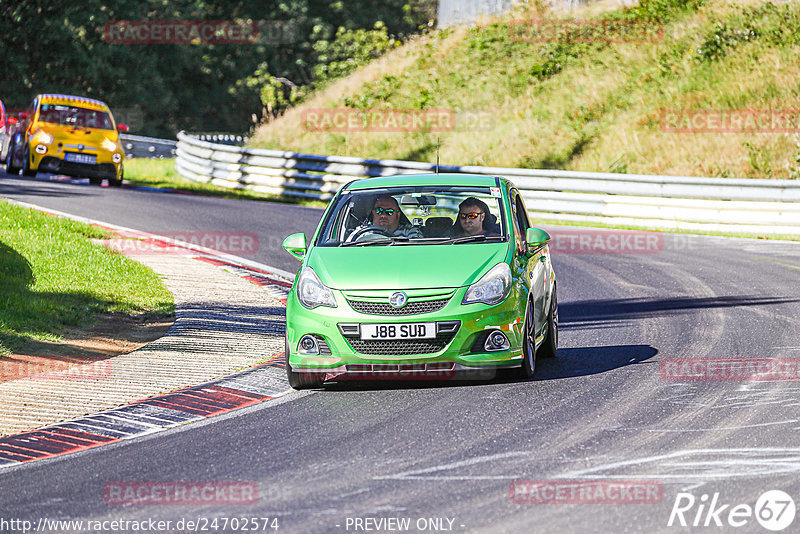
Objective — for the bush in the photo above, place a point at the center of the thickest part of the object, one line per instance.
(349, 50)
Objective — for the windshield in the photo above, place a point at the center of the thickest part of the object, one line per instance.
(75, 116)
(415, 216)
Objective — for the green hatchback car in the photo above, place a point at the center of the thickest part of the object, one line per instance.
(421, 275)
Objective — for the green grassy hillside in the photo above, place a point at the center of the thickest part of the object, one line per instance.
(594, 106)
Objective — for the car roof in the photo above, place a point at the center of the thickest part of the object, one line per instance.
(469, 180)
(53, 98)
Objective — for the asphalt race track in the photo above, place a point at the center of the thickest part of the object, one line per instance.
(456, 455)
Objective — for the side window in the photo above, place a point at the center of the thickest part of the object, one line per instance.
(32, 111)
(522, 214)
(519, 231)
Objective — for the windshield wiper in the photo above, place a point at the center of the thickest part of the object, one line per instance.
(385, 241)
(422, 240)
(471, 238)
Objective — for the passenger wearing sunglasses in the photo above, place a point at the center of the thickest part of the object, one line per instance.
(386, 214)
(474, 219)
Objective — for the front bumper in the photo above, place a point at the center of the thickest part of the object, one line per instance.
(453, 350)
(54, 165)
(54, 161)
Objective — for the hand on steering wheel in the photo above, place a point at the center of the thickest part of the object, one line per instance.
(369, 229)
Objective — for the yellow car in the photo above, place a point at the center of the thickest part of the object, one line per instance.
(72, 135)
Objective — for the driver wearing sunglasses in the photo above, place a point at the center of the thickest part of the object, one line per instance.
(386, 214)
(471, 218)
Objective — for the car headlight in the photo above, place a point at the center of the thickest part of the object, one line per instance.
(108, 144)
(311, 292)
(492, 288)
(43, 138)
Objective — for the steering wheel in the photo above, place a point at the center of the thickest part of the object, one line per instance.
(369, 229)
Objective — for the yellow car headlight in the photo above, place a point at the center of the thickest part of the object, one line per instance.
(43, 138)
(108, 144)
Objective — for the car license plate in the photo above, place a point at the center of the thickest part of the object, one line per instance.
(80, 158)
(398, 331)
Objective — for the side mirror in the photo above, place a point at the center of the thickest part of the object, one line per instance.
(122, 127)
(535, 238)
(295, 245)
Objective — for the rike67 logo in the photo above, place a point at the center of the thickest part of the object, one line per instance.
(774, 510)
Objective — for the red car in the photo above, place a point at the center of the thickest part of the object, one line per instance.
(8, 127)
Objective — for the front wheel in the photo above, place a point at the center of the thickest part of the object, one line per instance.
(10, 168)
(116, 182)
(26, 169)
(549, 346)
(301, 380)
(528, 344)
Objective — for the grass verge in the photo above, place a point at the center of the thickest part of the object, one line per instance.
(53, 277)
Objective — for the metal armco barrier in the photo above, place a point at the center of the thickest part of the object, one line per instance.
(665, 202)
(222, 139)
(147, 147)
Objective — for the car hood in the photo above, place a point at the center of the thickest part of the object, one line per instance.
(89, 137)
(405, 266)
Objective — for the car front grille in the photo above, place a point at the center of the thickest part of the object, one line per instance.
(384, 308)
(401, 347)
(71, 168)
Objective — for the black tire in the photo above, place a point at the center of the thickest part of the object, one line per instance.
(10, 169)
(26, 169)
(528, 344)
(549, 346)
(301, 380)
(117, 182)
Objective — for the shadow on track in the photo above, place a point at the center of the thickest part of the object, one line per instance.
(611, 312)
(583, 361)
(10, 190)
(570, 362)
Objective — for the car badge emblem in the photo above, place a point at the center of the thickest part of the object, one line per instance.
(81, 147)
(398, 299)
